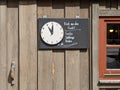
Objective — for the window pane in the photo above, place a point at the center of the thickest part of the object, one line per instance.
(113, 34)
(113, 58)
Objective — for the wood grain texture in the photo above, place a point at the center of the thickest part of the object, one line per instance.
(108, 4)
(72, 57)
(109, 13)
(102, 4)
(51, 63)
(45, 81)
(118, 4)
(102, 89)
(12, 41)
(114, 5)
(95, 65)
(109, 87)
(3, 45)
(84, 54)
(58, 55)
(45, 70)
(28, 45)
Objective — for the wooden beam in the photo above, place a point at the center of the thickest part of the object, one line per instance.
(109, 13)
(95, 65)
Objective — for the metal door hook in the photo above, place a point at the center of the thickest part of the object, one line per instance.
(12, 73)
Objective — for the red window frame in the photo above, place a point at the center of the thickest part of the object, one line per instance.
(104, 73)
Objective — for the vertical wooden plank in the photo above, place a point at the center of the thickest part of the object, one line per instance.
(114, 5)
(45, 81)
(72, 57)
(44, 70)
(58, 55)
(118, 4)
(28, 45)
(51, 63)
(3, 45)
(102, 4)
(108, 4)
(12, 41)
(95, 65)
(58, 70)
(72, 70)
(84, 54)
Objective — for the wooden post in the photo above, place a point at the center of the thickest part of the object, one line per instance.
(95, 65)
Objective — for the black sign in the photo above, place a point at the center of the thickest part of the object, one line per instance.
(76, 33)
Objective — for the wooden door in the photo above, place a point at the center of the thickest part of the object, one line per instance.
(39, 69)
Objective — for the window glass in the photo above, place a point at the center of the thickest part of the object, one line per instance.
(113, 58)
(113, 34)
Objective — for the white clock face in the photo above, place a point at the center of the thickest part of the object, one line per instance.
(52, 33)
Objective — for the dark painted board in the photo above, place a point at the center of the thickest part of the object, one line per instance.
(76, 33)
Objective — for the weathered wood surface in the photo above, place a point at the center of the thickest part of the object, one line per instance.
(12, 42)
(28, 45)
(57, 69)
(95, 65)
(84, 54)
(103, 5)
(77, 73)
(58, 55)
(118, 4)
(109, 13)
(72, 57)
(109, 88)
(114, 5)
(109, 4)
(51, 63)
(3, 45)
(44, 57)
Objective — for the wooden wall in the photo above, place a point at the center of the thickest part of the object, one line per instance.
(109, 4)
(46, 69)
(40, 69)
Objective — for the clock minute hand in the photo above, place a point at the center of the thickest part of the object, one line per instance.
(51, 30)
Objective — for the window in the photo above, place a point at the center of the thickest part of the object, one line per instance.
(109, 48)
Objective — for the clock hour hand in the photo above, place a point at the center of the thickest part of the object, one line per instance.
(51, 30)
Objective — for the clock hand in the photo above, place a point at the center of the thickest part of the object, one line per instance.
(51, 30)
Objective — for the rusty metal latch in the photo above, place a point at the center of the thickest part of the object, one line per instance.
(12, 73)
